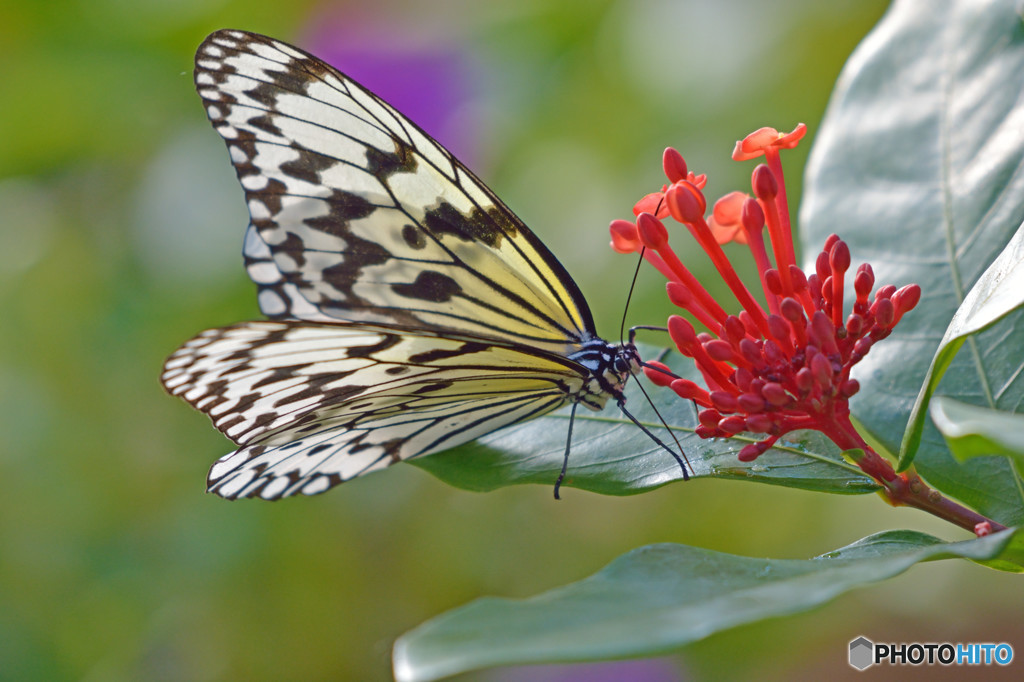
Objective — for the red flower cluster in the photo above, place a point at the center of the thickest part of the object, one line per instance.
(766, 371)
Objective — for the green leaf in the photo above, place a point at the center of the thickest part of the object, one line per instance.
(610, 455)
(998, 292)
(658, 598)
(973, 431)
(919, 166)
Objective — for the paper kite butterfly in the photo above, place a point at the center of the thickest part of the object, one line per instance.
(411, 310)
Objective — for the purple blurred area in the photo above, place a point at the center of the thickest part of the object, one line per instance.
(427, 77)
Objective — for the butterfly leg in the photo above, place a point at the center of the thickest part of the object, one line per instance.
(568, 446)
(622, 407)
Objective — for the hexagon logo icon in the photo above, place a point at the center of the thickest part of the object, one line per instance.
(862, 653)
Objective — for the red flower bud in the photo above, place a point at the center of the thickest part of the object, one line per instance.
(822, 333)
(822, 268)
(624, 236)
(798, 277)
(674, 165)
(792, 310)
(776, 395)
(686, 203)
(849, 388)
(733, 330)
(733, 425)
(855, 325)
(804, 379)
(652, 231)
(720, 350)
(743, 378)
(658, 373)
(763, 181)
(679, 295)
(750, 351)
(779, 329)
(750, 403)
(772, 353)
(822, 369)
(884, 312)
(753, 215)
(760, 423)
(839, 257)
(885, 292)
(863, 281)
(709, 418)
(690, 391)
(905, 299)
(724, 401)
(751, 452)
(681, 332)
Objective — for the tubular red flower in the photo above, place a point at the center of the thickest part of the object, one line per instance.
(727, 219)
(624, 236)
(653, 203)
(767, 373)
(760, 141)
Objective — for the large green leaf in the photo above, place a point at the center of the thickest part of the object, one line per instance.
(973, 431)
(997, 293)
(657, 598)
(919, 165)
(611, 455)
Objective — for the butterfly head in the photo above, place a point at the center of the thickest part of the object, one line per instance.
(627, 360)
(609, 366)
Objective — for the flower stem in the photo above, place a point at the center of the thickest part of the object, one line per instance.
(905, 489)
(918, 495)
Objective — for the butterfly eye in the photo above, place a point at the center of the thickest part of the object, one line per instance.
(625, 360)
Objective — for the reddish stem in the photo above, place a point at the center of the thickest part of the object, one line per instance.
(905, 489)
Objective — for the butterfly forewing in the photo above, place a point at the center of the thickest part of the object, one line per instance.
(365, 217)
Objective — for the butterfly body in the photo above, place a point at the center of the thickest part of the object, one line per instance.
(411, 310)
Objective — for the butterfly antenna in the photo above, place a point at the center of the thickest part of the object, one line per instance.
(629, 297)
(568, 445)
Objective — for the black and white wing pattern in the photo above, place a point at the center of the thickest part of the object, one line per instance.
(365, 217)
(313, 405)
(411, 310)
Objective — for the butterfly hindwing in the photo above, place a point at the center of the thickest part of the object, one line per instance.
(314, 405)
(365, 217)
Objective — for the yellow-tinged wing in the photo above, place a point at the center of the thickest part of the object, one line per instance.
(358, 215)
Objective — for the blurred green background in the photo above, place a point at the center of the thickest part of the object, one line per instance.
(120, 234)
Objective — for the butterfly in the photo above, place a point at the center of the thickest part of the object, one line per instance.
(410, 310)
